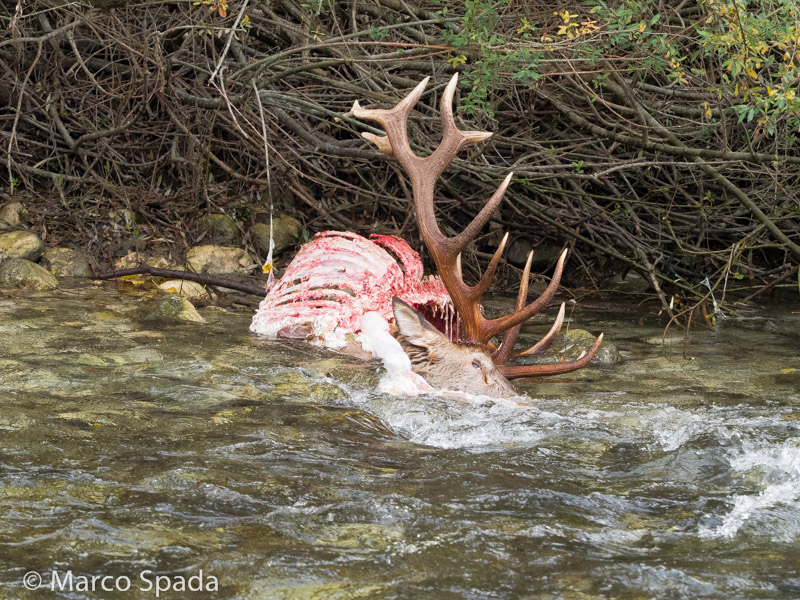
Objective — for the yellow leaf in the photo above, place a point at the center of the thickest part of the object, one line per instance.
(788, 370)
(708, 110)
(751, 72)
(134, 279)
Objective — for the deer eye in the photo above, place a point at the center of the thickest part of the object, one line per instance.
(476, 363)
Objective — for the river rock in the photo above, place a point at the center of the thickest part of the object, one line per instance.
(219, 229)
(285, 232)
(171, 309)
(21, 244)
(607, 354)
(18, 273)
(66, 262)
(218, 260)
(185, 288)
(570, 344)
(136, 259)
(14, 215)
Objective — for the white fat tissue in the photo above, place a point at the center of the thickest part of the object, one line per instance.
(399, 379)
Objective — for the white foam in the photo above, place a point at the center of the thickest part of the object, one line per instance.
(777, 469)
(672, 427)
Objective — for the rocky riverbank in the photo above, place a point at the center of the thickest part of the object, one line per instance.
(27, 262)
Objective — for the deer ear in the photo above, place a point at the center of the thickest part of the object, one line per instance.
(414, 327)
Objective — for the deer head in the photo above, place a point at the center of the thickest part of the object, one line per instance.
(476, 352)
(443, 364)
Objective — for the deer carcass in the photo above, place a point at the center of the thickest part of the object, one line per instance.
(338, 278)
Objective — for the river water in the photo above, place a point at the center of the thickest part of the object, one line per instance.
(132, 450)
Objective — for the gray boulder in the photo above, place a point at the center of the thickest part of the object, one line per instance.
(16, 273)
(220, 229)
(21, 244)
(173, 308)
(14, 215)
(285, 232)
(218, 260)
(66, 262)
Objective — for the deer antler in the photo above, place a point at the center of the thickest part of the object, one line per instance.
(446, 251)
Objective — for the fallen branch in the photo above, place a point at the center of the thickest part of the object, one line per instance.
(203, 278)
(771, 284)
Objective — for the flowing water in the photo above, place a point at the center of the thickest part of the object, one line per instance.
(132, 450)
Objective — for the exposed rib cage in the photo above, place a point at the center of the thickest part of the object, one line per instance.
(337, 277)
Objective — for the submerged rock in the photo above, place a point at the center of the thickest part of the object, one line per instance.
(18, 273)
(571, 344)
(219, 229)
(360, 537)
(292, 590)
(188, 289)
(15, 422)
(171, 309)
(218, 260)
(607, 354)
(21, 244)
(671, 341)
(14, 215)
(285, 232)
(66, 262)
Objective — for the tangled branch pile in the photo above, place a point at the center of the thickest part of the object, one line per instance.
(647, 144)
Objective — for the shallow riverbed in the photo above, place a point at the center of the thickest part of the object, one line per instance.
(132, 449)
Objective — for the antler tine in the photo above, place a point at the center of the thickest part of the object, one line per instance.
(486, 279)
(381, 141)
(461, 240)
(510, 338)
(515, 371)
(394, 122)
(544, 343)
(423, 171)
(492, 327)
(453, 138)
